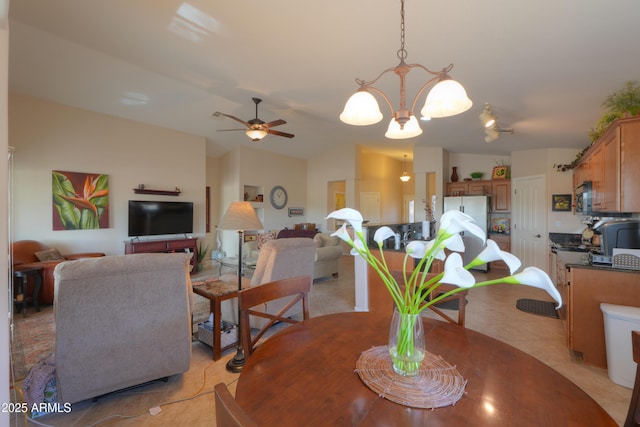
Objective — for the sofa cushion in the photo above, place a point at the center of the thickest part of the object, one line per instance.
(49, 255)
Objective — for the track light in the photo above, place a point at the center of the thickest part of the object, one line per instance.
(490, 123)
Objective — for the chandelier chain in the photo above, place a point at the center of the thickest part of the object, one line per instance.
(402, 53)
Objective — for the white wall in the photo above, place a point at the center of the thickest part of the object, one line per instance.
(49, 136)
(540, 162)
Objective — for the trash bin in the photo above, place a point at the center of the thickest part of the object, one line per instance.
(619, 321)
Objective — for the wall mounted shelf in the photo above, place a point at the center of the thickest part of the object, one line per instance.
(175, 192)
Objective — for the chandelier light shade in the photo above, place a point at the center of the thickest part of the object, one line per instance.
(410, 129)
(405, 177)
(361, 110)
(446, 98)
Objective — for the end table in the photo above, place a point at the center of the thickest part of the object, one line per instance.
(21, 277)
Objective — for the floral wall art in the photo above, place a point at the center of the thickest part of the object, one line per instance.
(80, 200)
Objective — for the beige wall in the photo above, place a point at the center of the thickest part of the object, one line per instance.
(4, 295)
(49, 136)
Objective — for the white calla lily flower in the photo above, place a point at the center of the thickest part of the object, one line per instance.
(417, 249)
(343, 233)
(454, 222)
(352, 216)
(533, 276)
(493, 253)
(382, 234)
(454, 243)
(440, 255)
(455, 273)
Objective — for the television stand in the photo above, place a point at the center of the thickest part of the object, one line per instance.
(169, 245)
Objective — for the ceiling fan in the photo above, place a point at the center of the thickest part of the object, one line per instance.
(256, 129)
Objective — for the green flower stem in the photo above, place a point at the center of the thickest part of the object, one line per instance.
(406, 359)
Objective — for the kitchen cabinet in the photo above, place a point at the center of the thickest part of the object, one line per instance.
(501, 195)
(587, 287)
(504, 243)
(469, 188)
(612, 163)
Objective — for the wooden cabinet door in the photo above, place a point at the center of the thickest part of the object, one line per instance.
(479, 188)
(630, 166)
(597, 176)
(611, 172)
(457, 188)
(501, 195)
(504, 243)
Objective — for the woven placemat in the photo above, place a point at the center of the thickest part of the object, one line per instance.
(437, 384)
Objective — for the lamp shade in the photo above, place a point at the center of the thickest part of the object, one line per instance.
(410, 130)
(361, 109)
(256, 134)
(445, 99)
(240, 216)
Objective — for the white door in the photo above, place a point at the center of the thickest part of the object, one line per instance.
(370, 206)
(529, 221)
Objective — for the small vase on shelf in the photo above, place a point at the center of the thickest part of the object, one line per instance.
(454, 174)
(406, 343)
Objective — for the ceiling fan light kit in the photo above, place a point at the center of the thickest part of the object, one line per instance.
(256, 129)
(447, 98)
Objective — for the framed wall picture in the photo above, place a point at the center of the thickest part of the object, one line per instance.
(296, 211)
(561, 202)
(499, 172)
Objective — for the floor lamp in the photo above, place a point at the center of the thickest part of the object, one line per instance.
(240, 216)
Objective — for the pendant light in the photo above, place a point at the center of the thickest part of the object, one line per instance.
(405, 177)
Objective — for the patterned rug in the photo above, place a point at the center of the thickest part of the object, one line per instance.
(34, 335)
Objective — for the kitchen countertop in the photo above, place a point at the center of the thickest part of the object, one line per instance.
(603, 267)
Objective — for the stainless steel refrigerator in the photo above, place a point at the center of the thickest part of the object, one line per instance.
(476, 207)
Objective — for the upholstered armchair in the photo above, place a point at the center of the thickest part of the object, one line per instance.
(30, 253)
(278, 259)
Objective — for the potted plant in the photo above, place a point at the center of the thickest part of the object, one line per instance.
(200, 256)
(622, 103)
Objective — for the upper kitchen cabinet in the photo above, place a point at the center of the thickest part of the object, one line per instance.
(469, 188)
(501, 195)
(612, 164)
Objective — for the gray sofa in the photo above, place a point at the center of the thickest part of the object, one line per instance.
(120, 321)
(327, 257)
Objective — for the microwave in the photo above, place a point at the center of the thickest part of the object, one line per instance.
(584, 198)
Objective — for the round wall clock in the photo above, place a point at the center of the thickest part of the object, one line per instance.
(278, 197)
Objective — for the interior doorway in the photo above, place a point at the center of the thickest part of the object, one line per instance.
(529, 221)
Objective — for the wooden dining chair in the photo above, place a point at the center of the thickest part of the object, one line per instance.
(297, 287)
(460, 297)
(633, 416)
(228, 412)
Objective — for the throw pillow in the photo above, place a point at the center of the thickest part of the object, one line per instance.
(49, 255)
(264, 238)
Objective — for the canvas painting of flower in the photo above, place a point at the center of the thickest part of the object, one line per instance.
(80, 200)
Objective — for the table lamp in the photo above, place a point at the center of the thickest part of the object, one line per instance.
(240, 216)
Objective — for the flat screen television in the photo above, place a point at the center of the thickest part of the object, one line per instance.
(150, 218)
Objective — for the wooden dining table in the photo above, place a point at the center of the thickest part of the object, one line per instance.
(305, 376)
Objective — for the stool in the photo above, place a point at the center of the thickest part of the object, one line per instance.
(21, 276)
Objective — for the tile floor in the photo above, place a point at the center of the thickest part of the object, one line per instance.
(187, 400)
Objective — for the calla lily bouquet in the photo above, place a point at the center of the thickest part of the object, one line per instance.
(411, 297)
(406, 347)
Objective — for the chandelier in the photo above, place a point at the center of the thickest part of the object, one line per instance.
(446, 98)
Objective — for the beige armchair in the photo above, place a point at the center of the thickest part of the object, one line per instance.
(278, 259)
(121, 321)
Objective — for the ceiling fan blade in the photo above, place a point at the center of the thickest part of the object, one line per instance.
(275, 123)
(236, 119)
(277, 132)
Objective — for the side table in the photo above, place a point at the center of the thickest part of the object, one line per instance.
(216, 291)
(21, 277)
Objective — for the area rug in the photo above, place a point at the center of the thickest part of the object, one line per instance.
(33, 337)
(540, 308)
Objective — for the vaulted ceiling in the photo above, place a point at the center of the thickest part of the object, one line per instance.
(544, 66)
